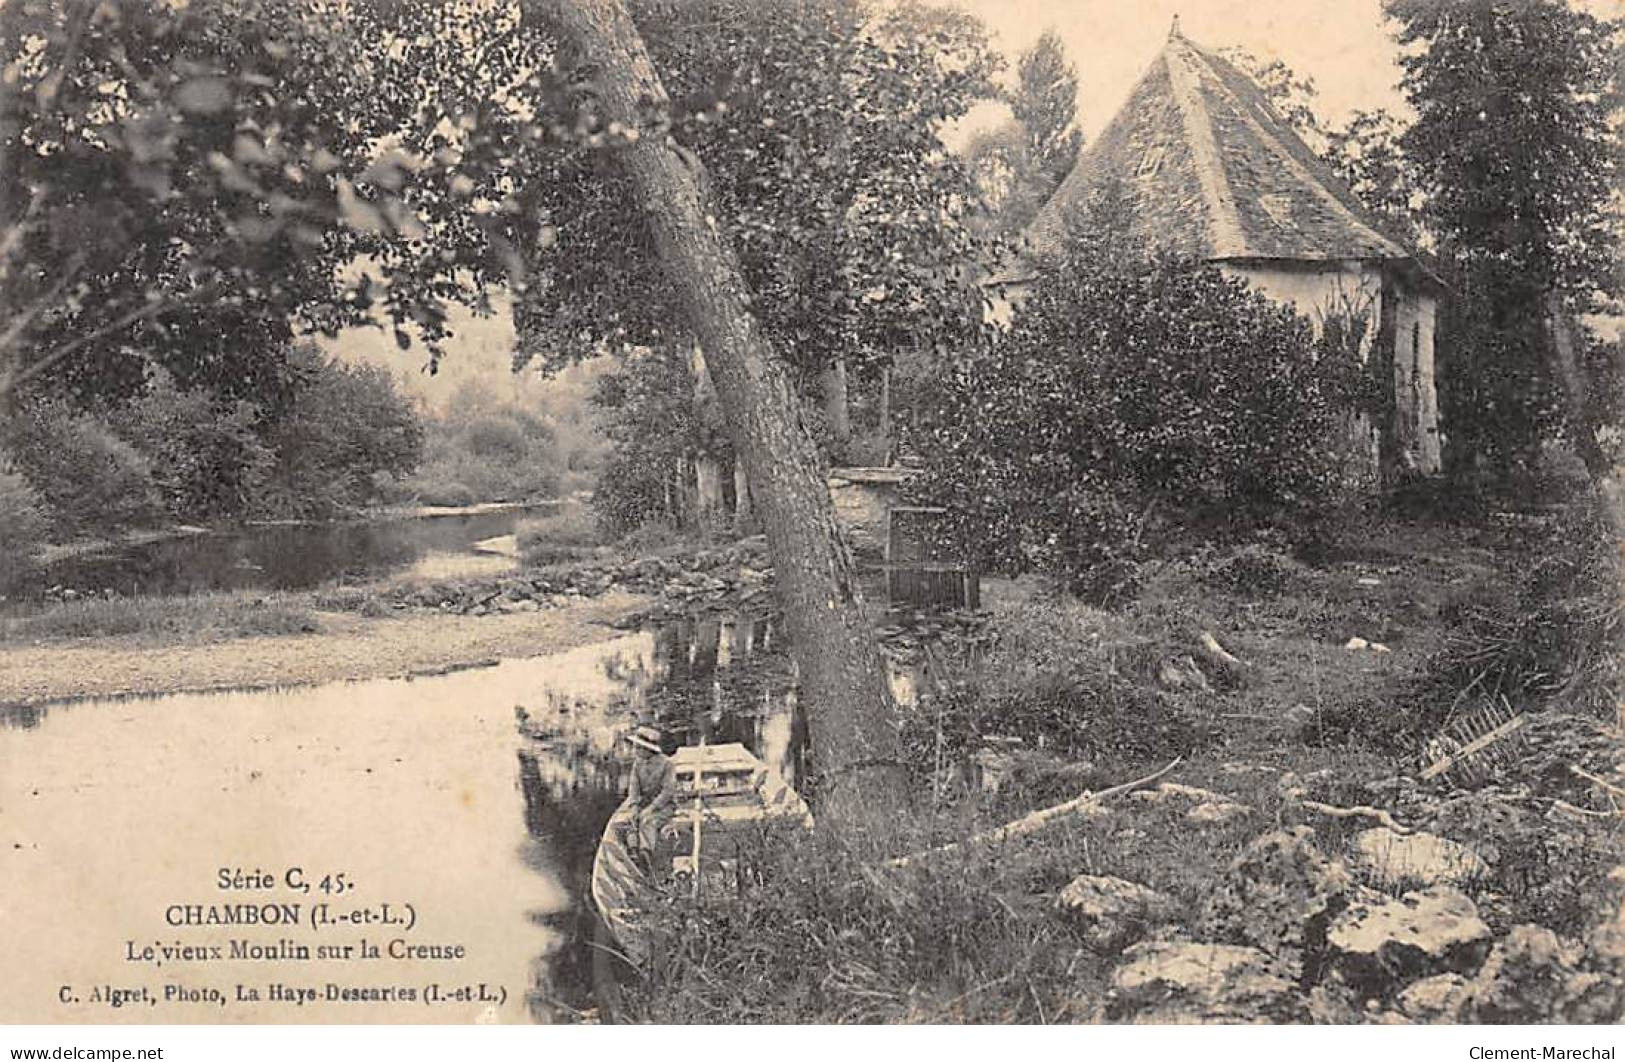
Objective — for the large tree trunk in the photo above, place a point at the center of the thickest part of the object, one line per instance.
(741, 497)
(843, 684)
(1570, 374)
(708, 490)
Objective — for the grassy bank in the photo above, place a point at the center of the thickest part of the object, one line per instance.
(1344, 667)
(190, 618)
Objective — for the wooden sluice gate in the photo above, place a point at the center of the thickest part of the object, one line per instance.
(921, 572)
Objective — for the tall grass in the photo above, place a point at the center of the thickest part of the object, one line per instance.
(194, 617)
(569, 534)
(814, 932)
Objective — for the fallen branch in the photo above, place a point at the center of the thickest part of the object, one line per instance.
(1359, 811)
(1564, 805)
(1588, 776)
(1218, 653)
(1037, 820)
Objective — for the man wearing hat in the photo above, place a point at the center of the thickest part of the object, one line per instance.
(653, 788)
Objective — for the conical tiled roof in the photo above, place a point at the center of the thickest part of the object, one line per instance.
(1209, 170)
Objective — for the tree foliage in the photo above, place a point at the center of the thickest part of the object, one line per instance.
(816, 124)
(1045, 102)
(1018, 164)
(1514, 134)
(1518, 152)
(347, 426)
(1130, 394)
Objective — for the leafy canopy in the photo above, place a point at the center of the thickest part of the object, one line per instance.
(1132, 395)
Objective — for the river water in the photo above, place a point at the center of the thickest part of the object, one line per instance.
(117, 818)
(275, 557)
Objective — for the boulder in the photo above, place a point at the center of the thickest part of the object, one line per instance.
(1606, 942)
(1378, 946)
(1181, 982)
(1526, 979)
(1112, 913)
(1280, 893)
(1399, 861)
(1440, 999)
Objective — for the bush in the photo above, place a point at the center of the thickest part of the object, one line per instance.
(92, 481)
(1131, 395)
(632, 490)
(207, 458)
(1063, 677)
(1556, 632)
(566, 535)
(22, 525)
(345, 425)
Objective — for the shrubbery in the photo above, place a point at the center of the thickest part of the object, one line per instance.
(90, 480)
(484, 448)
(22, 524)
(207, 457)
(1061, 677)
(1126, 395)
(337, 439)
(346, 423)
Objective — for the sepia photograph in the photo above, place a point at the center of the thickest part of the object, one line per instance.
(743, 513)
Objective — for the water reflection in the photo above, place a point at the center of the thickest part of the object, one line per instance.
(704, 680)
(426, 790)
(281, 557)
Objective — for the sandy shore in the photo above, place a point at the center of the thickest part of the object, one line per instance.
(348, 647)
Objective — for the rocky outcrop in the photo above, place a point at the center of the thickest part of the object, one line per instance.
(1530, 977)
(1280, 893)
(1527, 978)
(1111, 913)
(1397, 862)
(1378, 946)
(732, 576)
(1181, 982)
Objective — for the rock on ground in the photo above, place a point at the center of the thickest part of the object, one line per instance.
(1525, 980)
(1398, 861)
(1437, 1000)
(1379, 946)
(1111, 913)
(1279, 893)
(1182, 982)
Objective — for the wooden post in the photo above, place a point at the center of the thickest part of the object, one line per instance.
(699, 816)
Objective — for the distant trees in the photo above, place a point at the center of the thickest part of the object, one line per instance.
(186, 454)
(1045, 102)
(1517, 146)
(484, 447)
(1019, 164)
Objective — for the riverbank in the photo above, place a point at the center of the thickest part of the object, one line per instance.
(342, 646)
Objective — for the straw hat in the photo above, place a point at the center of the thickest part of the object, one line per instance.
(644, 737)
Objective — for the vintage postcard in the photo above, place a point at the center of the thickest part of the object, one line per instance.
(812, 511)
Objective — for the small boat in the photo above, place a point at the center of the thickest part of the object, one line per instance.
(724, 793)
